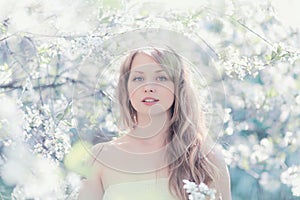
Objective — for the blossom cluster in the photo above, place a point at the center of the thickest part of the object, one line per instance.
(199, 192)
(291, 177)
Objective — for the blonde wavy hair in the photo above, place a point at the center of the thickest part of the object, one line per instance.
(188, 144)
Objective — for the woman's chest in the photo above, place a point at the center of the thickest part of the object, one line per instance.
(112, 176)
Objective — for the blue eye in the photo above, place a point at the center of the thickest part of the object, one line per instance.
(138, 78)
(162, 78)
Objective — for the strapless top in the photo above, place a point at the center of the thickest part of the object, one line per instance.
(152, 189)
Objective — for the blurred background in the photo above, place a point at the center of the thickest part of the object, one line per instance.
(58, 74)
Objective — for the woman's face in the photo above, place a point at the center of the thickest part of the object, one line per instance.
(151, 90)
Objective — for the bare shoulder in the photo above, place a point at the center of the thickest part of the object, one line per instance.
(97, 151)
(223, 185)
(91, 186)
(217, 158)
(102, 153)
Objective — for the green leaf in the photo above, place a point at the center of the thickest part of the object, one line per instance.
(271, 93)
(279, 50)
(60, 116)
(273, 55)
(117, 4)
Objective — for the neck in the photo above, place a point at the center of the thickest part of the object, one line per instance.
(152, 129)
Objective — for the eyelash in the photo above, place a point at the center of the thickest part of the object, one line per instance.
(138, 77)
(159, 77)
(164, 77)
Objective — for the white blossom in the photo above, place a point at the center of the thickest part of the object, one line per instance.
(198, 192)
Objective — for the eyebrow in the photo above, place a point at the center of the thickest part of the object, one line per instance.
(157, 71)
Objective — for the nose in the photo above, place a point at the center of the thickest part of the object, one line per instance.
(149, 88)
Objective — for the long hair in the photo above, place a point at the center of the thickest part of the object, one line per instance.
(188, 143)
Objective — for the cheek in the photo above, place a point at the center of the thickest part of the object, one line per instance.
(172, 97)
(171, 90)
(169, 93)
(172, 93)
(132, 91)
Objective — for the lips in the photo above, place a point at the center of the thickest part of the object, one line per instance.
(150, 100)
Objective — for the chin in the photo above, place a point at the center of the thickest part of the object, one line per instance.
(157, 109)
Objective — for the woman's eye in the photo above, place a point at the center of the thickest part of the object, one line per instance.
(162, 78)
(138, 78)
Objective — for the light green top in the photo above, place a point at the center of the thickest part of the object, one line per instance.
(153, 189)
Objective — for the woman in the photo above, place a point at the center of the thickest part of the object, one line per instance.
(166, 140)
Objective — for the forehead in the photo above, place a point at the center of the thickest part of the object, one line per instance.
(143, 62)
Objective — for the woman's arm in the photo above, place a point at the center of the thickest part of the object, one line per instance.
(223, 183)
(91, 189)
(91, 186)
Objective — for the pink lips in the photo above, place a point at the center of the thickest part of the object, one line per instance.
(149, 101)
